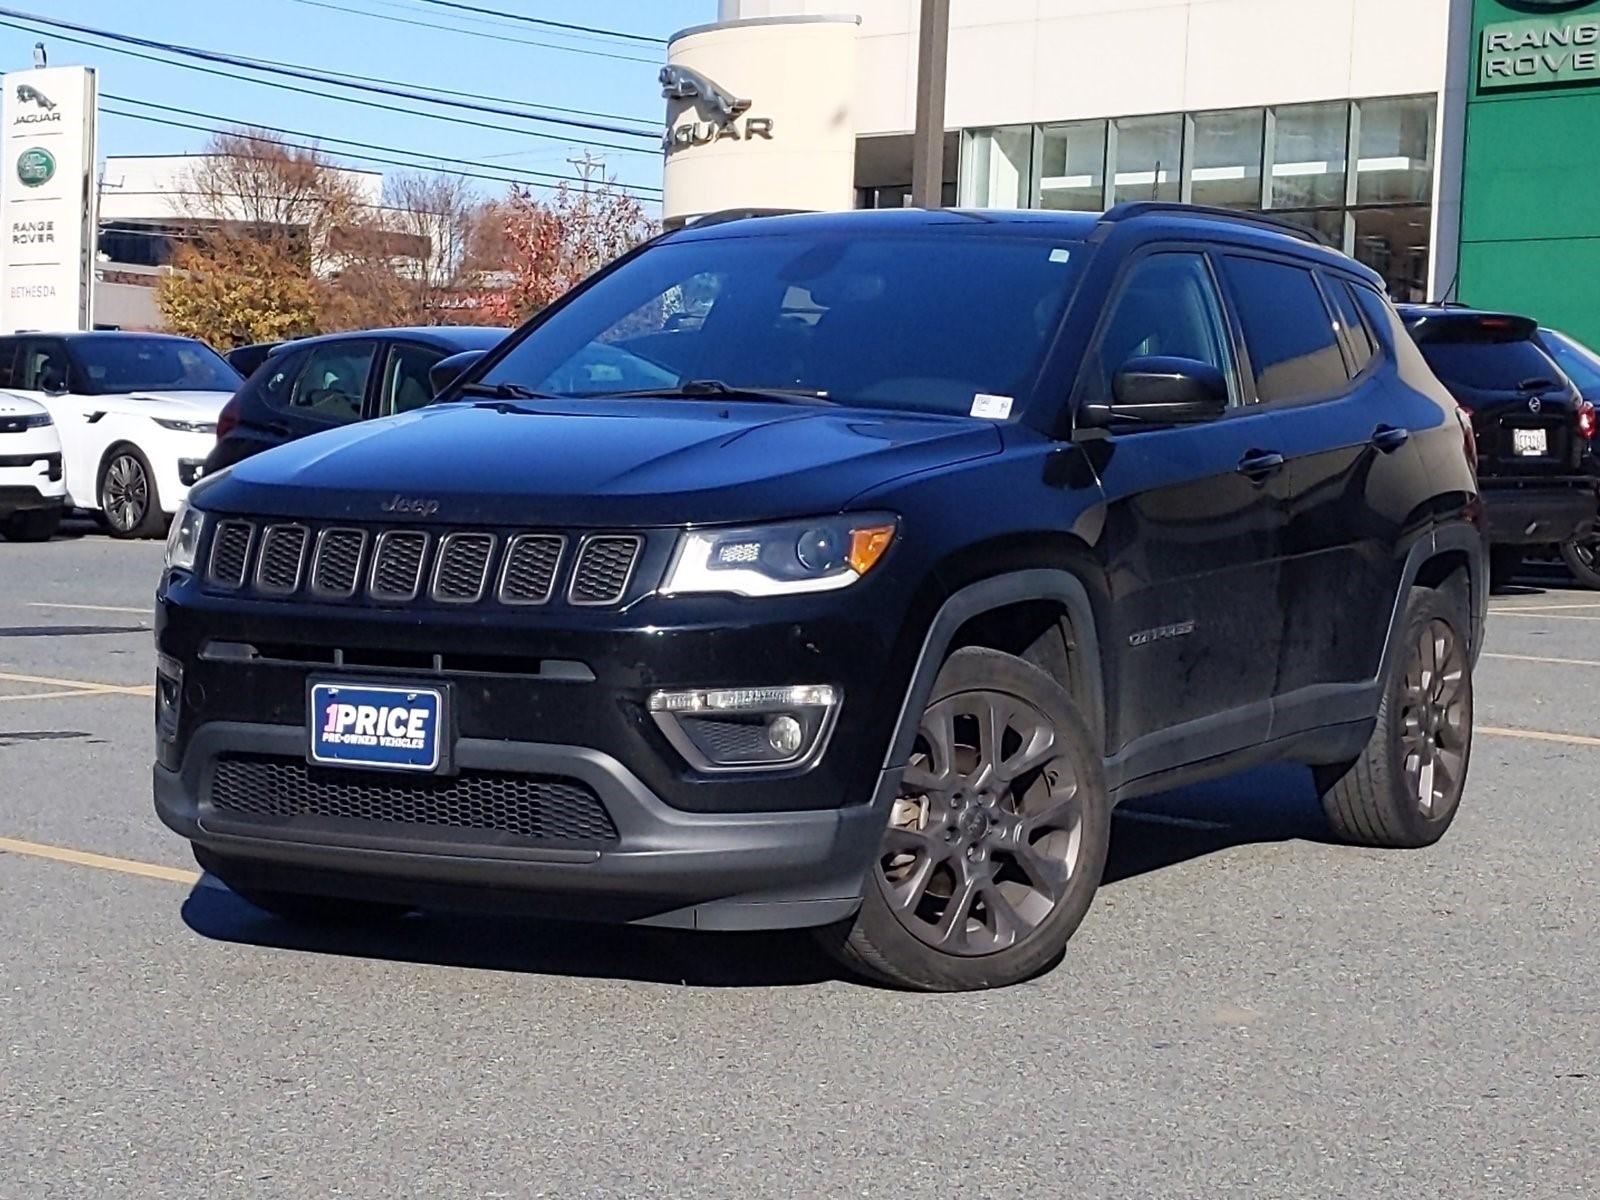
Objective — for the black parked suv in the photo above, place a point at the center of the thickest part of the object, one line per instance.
(321, 383)
(854, 603)
(1531, 424)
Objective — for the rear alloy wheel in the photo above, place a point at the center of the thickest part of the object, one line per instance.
(1405, 789)
(1582, 556)
(128, 500)
(35, 525)
(996, 842)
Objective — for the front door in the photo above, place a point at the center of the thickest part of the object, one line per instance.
(1191, 541)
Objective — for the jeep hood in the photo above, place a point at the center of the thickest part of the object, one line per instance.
(592, 462)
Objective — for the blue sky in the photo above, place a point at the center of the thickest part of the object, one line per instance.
(368, 37)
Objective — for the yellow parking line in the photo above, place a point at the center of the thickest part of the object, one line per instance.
(58, 695)
(100, 862)
(1538, 658)
(1538, 735)
(1539, 615)
(143, 612)
(88, 686)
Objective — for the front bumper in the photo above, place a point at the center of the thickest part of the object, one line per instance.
(753, 870)
(27, 498)
(1538, 513)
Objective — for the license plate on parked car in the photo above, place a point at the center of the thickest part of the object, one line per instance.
(393, 728)
(1529, 442)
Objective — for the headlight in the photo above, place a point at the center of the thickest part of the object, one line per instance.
(29, 421)
(783, 559)
(183, 539)
(186, 426)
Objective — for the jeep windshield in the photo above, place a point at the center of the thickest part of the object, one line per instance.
(915, 322)
(118, 363)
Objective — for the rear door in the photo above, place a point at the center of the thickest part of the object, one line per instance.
(1192, 539)
(321, 386)
(1347, 487)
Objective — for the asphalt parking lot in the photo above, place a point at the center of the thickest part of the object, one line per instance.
(1247, 1010)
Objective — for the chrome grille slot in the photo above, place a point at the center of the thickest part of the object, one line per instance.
(337, 566)
(282, 558)
(230, 552)
(605, 564)
(397, 560)
(529, 573)
(462, 570)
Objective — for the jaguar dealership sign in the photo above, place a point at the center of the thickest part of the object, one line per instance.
(47, 136)
(760, 114)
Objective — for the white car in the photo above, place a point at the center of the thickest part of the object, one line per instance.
(32, 490)
(136, 414)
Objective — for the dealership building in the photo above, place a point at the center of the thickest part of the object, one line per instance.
(1452, 145)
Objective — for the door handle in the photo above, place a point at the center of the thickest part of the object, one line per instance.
(1388, 439)
(1260, 465)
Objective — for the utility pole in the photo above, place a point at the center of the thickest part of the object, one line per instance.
(927, 144)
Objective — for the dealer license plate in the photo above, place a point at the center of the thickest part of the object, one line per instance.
(393, 728)
(1529, 442)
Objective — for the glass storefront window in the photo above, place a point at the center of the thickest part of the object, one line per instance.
(1072, 166)
(1226, 166)
(1308, 154)
(1395, 160)
(1395, 242)
(996, 167)
(1329, 223)
(1148, 158)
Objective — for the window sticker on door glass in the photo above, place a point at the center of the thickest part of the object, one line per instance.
(1060, 255)
(996, 408)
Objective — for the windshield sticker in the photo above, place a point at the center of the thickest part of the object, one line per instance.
(1060, 255)
(996, 408)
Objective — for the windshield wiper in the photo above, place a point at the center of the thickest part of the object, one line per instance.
(716, 389)
(503, 391)
(1537, 383)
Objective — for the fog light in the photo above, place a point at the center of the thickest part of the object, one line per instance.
(169, 696)
(747, 729)
(785, 735)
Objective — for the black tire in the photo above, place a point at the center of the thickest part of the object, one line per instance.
(130, 506)
(1423, 739)
(35, 525)
(1504, 563)
(1582, 556)
(1019, 836)
(298, 908)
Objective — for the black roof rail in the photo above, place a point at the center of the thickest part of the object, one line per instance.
(1130, 209)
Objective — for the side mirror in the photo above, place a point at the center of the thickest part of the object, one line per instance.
(1160, 390)
(447, 370)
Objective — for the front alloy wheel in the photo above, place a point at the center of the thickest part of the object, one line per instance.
(996, 842)
(128, 496)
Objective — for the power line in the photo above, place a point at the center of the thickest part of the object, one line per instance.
(317, 76)
(496, 37)
(234, 124)
(289, 87)
(395, 162)
(494, 12)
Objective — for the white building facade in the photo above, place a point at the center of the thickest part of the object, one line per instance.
(1326, 112)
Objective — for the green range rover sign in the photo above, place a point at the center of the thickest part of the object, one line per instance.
(1540, 52)
(35, 168)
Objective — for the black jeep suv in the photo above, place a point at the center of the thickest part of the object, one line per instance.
(1531, 424)
(838, 571)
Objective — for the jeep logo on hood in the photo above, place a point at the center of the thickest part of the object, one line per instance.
(420, 506)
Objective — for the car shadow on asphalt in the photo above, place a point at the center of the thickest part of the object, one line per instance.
(1149, 834)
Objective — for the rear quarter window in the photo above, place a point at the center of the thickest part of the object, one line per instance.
(1294, 351)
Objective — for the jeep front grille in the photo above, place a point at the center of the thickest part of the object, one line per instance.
(275, 560)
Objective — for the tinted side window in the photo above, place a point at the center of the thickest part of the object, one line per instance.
(1288, 329)
(405, 379)
(8, 363)
(1355, 328)
(329, 385)
(1168, 306)
(42, 366)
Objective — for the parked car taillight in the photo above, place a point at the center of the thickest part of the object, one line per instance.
(228, 418)
(1587, 421)
(1469, 440)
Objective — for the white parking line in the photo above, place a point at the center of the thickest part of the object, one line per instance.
(1539, 616)
(143, 612)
